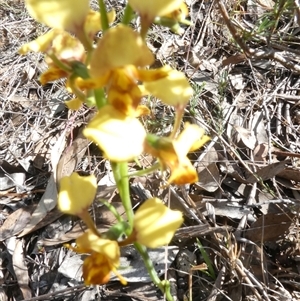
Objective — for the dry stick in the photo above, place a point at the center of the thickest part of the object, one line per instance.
(63, 292)
(243, 221)
(204, 25)
(191, 203)
(250, 279)
(218, 283)
(250, 52)
(186, 207)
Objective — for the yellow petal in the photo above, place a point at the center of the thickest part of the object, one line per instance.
(120, 137)
(41, 44)
(120, 46)
(96, 269)
(123, 102)
(190, 139)
(142, 110)
(147, 75)
(67, 48)
(155, 224)
(124, 93)
(183, 173)
(76, 193)
(89, 242)
(173, 90)
(93, 22)
(52, 74)
(92, 83)
(61, 14)
(179, 14)
(74, 104)
(154, 8)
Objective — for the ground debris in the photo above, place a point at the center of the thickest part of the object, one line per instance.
(243, 63)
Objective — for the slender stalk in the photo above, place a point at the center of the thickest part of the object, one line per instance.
(128, 13)
(113, 210)
(85, 216)
(120, 171)
(100, 98)
(104, 18)
(80, 95)
(163, 286)
(146, 171)
(60, 64)
(178, 118)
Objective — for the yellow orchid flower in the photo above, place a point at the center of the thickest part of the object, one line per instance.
(120, 137)
(65, 48)
(179, 14)
(172, 153)
(150, 9)
(61, 14)
(71, 199)
(173, 89)
(123, 91)
(58, 42)
(104, 258)
(118, 63)
(174, 19)
(62, 49)
(155, 223)
(119, 47)
(114, 65)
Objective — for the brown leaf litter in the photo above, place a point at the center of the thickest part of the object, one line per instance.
(245, 207)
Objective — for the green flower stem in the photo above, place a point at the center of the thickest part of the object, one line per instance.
(100, 98)
(104, 18)
(128, 13)
(60, 64)
(162, 285)
(146, 171)
(75, 90)
(113, 210)
(120, 171)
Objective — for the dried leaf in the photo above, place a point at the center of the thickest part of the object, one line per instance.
(15, 223)
(209, 178)
(267, 172)
(244, 137)
(269, 227)
(260, 152)
(20, 269)
(71, 156)
(11, 176)
(290, 173)
(259, 128)
(223, 207)
(237, 81)
(46, 204)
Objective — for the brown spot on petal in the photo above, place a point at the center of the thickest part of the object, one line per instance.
(52, 75)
